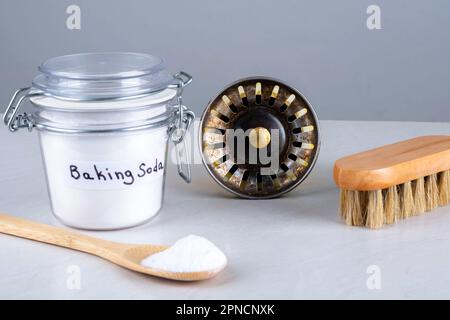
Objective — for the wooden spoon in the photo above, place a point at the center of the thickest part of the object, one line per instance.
(125, 255)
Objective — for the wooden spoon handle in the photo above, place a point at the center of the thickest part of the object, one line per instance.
(58, 236)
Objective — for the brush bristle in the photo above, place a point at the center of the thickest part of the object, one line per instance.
(345, 203)
(419, 196)
(391, 205)
(444, 188)
(406, 200)
(431, 191)
(351, 208)
(374, 208)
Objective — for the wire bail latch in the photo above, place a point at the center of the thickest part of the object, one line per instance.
(12, 119)
(181, 125)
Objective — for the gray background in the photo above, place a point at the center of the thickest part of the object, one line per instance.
(323, 48)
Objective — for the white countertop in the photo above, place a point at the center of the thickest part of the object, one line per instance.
(294, 247)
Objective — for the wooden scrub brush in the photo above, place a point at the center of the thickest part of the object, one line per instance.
(395, 181)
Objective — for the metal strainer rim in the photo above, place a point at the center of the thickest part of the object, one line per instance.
(310, 167)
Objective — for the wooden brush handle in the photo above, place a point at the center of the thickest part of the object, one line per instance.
(393, 164)
(53, 235)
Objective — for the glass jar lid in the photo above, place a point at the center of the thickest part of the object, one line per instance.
(102, 76)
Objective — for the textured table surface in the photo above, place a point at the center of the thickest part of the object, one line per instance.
(294, 247)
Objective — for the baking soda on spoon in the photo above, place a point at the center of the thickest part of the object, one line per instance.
(188, 254)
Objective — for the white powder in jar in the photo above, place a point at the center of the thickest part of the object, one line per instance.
(189, 254)
(87, 197)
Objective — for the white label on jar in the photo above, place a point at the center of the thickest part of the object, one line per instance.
(112, 174)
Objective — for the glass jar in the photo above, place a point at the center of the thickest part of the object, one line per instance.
(104, 121)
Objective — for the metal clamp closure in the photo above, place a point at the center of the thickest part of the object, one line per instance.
(183, 120)
(11, 118)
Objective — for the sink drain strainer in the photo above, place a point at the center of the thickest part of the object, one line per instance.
(259, 138)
